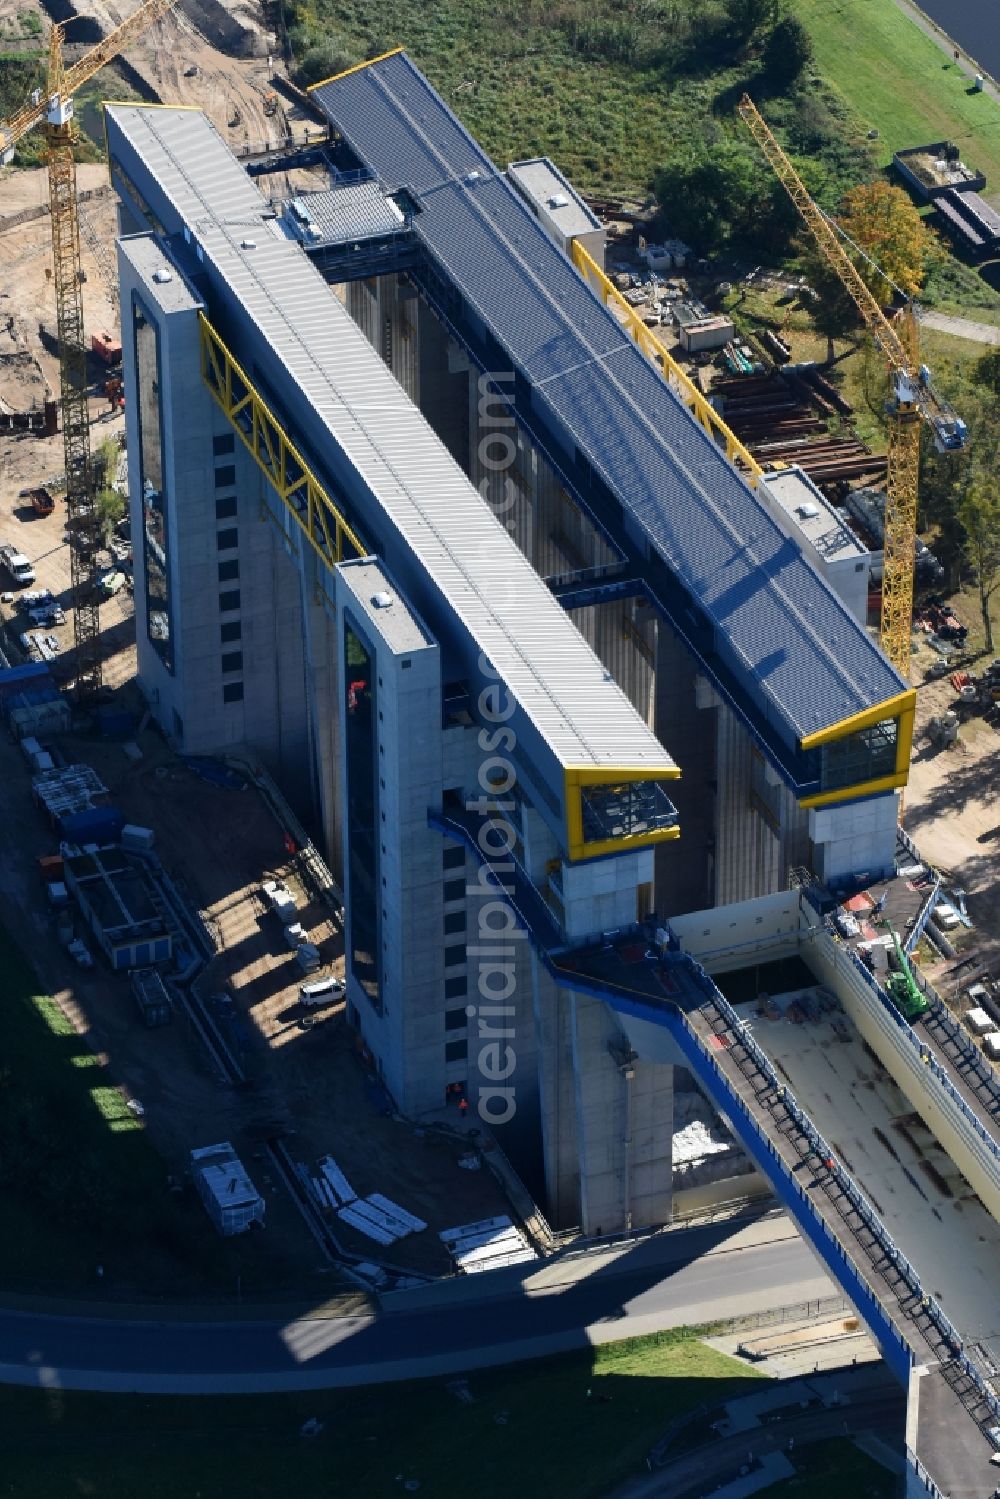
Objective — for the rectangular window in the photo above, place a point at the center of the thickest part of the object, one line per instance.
(224, 444)
(456, 988)
(456, 1051)
(227, 539)
(229, 571)
(363, 946)
(454, 921)
(454, 889)
(454, 957)
(232, 692)
(455, 1020)
(155, 539)
(230, 600)
(225, 477)
(868, 755)
(225, 508)
(232, 661)
(453, 856)
(231, 631)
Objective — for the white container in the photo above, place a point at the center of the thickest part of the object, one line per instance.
(136, 837)
(30, 747)
(307, 957)
(58, 893)
(979, 1022)
(991, 1045)
(284, 906)
(294, 934)
(42, 761)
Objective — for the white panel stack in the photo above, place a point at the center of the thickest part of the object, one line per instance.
(490, 1244)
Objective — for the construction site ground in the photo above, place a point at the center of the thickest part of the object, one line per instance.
(952, 812)
(307, 1081)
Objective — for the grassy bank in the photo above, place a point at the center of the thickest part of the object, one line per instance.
(573, 1425)
(899, 82)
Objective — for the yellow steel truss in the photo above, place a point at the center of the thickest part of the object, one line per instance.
(275, 454)
(680, 383)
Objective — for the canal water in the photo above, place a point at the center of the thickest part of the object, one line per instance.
(973, 24)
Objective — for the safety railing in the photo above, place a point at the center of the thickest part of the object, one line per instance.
(275, 454)
(679, 382)
(920, 1047)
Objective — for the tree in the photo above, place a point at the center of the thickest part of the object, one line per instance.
(110, 506)
(884, 223)
(718, 195)
(787, 51)
(979, 513)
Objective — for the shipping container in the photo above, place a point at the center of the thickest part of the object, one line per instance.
(93, 825)
(137, 838)
(15, 678)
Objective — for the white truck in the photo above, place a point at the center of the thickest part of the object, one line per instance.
(17, 565)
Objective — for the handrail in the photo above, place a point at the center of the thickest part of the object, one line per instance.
(679, 382)
(927, 1057)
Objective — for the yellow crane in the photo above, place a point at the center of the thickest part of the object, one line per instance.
(912, 401)
(54, 107)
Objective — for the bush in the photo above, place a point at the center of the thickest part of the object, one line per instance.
(323, 60)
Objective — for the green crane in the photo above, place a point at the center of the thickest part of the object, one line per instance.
(902, 987)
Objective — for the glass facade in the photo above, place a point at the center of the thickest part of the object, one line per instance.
(155, 539)
(625, 810)
(868, 755)
(360, 736)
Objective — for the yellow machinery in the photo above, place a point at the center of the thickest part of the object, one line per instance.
(55, 108)
(913, 400)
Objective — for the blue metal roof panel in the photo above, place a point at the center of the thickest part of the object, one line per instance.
(801, 655)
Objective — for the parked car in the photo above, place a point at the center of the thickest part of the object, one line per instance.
(325, 991)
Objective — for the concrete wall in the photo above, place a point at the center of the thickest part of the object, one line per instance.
(408, 1037)
(270, 717)
(859, 837)
(972, 1156)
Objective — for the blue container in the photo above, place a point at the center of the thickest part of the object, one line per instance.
(15, 677)
(94, 825)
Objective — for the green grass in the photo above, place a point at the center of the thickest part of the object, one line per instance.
(899, 82)
(829, 1470)
(573, 1425)
(80, 1181)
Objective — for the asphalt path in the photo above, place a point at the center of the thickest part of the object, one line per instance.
(673, 1280)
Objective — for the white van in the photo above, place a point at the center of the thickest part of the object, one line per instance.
(324, 991)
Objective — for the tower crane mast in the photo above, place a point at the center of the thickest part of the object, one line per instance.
(55, 108)
(913, 399)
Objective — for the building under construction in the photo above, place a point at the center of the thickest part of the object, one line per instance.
(470, 476)
(582, 713)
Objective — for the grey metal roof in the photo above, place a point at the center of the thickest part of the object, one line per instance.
(541, 181)
(358, 210)
(802, 657)
(425, 499)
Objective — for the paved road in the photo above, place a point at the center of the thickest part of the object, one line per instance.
(676, 1279)
(960, 327)
(705, 1469)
